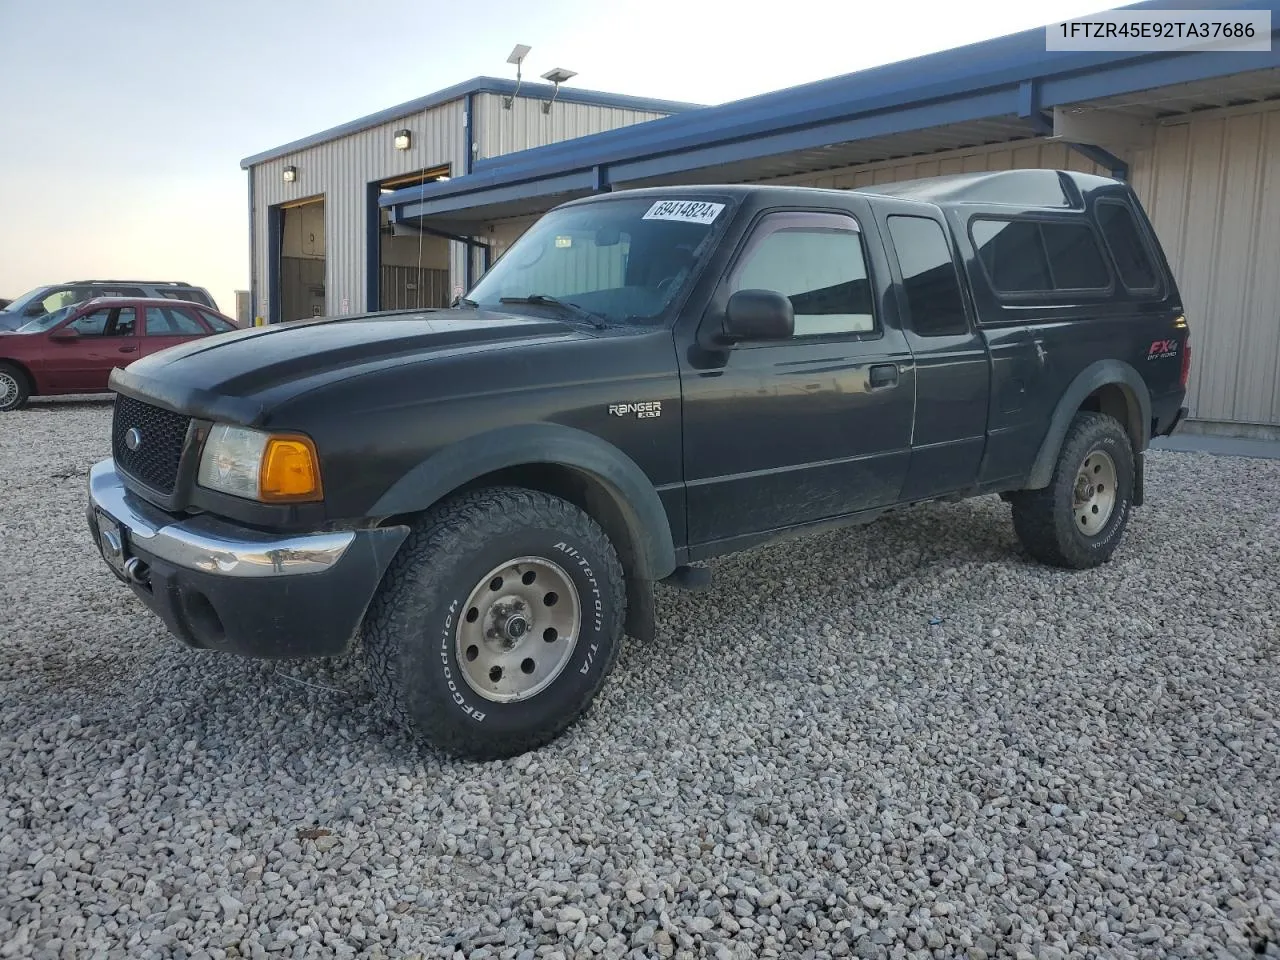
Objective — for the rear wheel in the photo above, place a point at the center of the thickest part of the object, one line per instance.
(498, 622)
(14, 389)
(1077, 521)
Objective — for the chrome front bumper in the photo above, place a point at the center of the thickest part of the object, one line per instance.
(219, 586)
(207, 544)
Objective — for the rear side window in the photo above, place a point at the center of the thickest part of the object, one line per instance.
(928, 276)
(166, 322)
(217, 323)
(1124, 239)
(1037, 256)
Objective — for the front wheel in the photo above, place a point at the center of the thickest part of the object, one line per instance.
(1077, 521)
(14, 389)
(497, 623)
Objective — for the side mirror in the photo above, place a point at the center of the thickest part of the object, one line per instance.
(65, 334)
(759, 315)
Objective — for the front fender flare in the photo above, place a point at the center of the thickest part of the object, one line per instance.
(1100, 374)
(545, 443)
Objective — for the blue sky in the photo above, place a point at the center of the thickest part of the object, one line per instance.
(122, 123)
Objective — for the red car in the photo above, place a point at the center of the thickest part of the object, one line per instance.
(74, 349)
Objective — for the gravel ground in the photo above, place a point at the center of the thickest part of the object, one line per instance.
(908, 744)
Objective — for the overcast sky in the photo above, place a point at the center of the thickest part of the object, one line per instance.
(122, 124)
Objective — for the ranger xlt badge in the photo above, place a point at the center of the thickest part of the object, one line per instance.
(652, 408)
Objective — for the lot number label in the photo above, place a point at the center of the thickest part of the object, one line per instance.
(688, 211)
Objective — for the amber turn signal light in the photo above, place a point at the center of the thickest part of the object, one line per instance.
(290, 471)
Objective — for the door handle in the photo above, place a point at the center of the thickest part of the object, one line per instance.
(130, 348)
(884, 375)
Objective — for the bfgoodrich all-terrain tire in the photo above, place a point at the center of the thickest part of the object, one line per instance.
(1077, 521)
(14, 388)
(497, 623)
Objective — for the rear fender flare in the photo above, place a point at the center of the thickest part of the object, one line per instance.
(544, 443)
(1094, 376)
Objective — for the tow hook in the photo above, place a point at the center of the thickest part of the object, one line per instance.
(137, 572)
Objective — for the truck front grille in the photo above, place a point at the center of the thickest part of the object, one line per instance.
(151, 454)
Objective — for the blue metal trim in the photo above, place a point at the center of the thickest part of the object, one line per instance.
(1029, 98)
(253, 254)
(600, 176)
(975, 107)
(1161, 71)
(1103, 158)
(413, 202)
(275, 250)
(373, 247)
(535, 91)
(1019, 60)
(468, 162)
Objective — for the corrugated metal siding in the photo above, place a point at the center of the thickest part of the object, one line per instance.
(341, 170)
(524, 126)
(1212, 187)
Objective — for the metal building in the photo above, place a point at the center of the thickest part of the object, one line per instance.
(321, 244)
(1198, 134)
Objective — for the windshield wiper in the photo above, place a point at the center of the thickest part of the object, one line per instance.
(543, 300)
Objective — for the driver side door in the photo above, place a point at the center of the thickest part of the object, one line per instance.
(779, 434)
(106, 338)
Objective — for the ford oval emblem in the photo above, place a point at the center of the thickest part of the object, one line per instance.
(133, 438)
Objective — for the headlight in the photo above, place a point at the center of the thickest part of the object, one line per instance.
(269, 467)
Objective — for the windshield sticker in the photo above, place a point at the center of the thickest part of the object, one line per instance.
(687, 211)
(563, 242)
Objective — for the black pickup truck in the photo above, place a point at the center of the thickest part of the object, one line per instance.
(483, 496)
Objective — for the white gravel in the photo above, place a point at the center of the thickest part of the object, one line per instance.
(803, 765)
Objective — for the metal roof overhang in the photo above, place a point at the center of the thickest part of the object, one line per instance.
(994, 92)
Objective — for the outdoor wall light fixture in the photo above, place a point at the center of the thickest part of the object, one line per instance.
(518, 54)
(404, 139)
(557, 76)
(290, 174)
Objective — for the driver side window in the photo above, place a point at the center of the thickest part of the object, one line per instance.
(817, 261)
(106, 322)
(92, 324)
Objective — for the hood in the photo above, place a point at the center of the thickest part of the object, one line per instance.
(239, 374)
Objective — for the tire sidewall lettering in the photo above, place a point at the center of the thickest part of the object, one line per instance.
(591, 598)
(1120, 512)
(446, 661)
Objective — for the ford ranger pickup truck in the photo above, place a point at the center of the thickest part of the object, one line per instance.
(482, 497)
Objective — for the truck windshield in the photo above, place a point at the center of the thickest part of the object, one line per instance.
(622, 261)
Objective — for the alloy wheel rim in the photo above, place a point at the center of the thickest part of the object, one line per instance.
(1093, 498)
(518, 629)
(8, 389)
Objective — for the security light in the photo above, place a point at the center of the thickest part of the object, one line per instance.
(557, 76)
(290, 174)
(518, 53)
(404, 139)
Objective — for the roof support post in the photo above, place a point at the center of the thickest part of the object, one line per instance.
(600, 179)
(1029, 99)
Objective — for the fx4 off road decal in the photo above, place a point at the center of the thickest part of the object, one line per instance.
(1160, 349)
